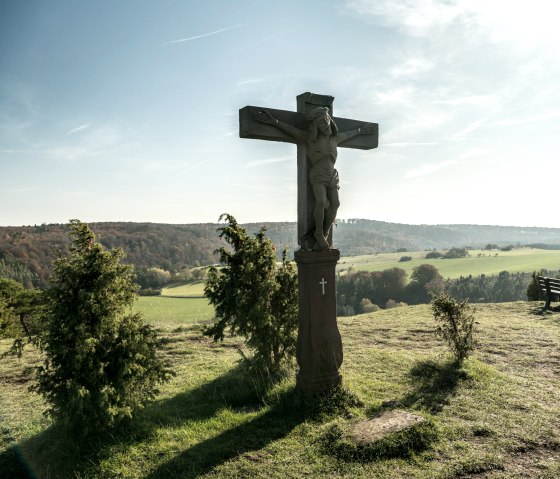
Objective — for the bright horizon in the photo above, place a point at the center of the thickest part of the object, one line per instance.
(128, 111)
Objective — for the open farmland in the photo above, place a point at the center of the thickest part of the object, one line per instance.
(479, 262)
(171, 310)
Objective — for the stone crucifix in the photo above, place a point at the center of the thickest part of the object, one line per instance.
(317, 135)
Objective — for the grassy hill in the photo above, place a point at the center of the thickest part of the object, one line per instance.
(479, 262)
(497, 417)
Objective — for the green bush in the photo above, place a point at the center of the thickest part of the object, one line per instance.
(456, 253)
(534, 291)
(456, 324)
(101, 361)
(366, 306)
(253, 297)
(21, 313)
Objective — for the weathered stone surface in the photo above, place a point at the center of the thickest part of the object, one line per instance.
(319, 345)
(286, 126)
(390, 422)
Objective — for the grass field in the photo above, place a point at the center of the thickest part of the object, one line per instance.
(497, 416)
(479, 262)
(187, 290)
(160, 310)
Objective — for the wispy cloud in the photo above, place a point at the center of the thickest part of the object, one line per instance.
(203, 35)
(530, 119)
(427, 143)
(85, 126)
(247, 82)
(255, 163)
(428, 169)
(469, 128)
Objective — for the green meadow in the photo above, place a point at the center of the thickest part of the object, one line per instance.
(479, 262)
(496, 417)
(157, 310)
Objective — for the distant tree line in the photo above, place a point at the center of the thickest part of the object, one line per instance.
(363, 291)
(27, 253)
(357, 291)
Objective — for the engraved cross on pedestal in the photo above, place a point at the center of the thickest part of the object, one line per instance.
(319, 346)
(323, 283)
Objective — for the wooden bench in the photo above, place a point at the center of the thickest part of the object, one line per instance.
(551, 287)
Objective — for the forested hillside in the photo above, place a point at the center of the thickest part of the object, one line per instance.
(27, 252)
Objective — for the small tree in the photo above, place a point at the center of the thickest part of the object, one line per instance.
(456, 324)
(21, 312)
(101, 361)
(366, 306)
(253, 297)
(534, 291)
(425, 281)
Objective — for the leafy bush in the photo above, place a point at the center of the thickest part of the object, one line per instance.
(153, 278)
(433, 255)
(366, 306)
(253, 297)
(405, 258)
(149, 292)
(456, 253)
(390, 304)
(21, 312)
(101, 361)
(425, 281)
(456, 324)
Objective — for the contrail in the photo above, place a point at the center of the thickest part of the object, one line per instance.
(180, 40)
(79, 128)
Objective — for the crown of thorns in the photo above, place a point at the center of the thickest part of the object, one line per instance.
(317, 113)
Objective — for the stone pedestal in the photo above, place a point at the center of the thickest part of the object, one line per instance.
(319, 345)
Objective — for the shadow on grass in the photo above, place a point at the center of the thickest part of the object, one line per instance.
(249, 436)
(434, 384)
(542, 311)
(53, 449)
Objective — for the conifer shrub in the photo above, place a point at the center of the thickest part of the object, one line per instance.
(21, 314)
(101, 362)
(455, 325)
(534, 291)
(253, 297)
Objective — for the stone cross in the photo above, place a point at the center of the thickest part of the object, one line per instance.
(250, 127)
(319, 345)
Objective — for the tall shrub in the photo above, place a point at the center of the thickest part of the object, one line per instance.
(253, 296)
(102, 362)
(455, 325)
(534, 291)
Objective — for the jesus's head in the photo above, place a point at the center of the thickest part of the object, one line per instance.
(320, 121)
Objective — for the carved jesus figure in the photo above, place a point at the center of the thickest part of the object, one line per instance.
(321, 140)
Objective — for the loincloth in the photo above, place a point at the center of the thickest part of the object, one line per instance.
(328, 179)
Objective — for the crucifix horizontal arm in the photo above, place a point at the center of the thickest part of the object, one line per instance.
(249, 127)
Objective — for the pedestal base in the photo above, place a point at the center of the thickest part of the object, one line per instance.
(319, 345)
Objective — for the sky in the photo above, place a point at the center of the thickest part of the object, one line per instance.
(128, 110)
